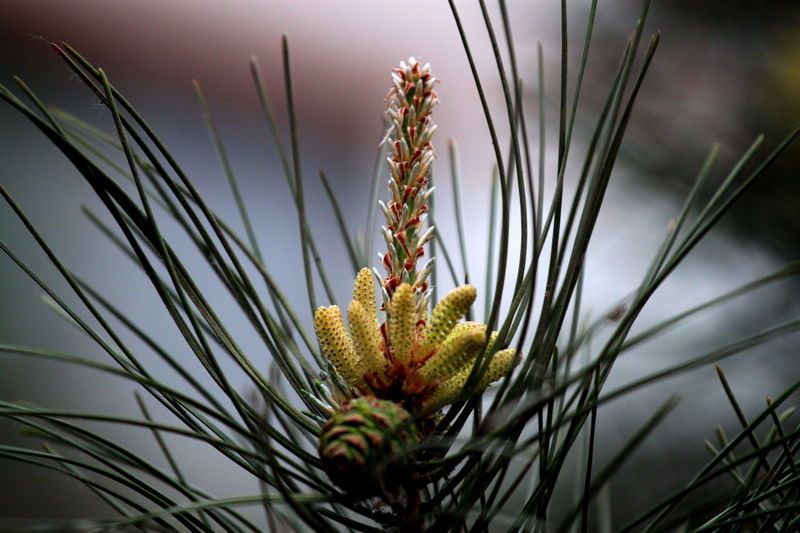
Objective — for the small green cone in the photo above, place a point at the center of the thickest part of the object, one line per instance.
(364, 446)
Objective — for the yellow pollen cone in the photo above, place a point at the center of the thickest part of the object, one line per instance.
(445, 315)
(402, 323)
(366, 339)
(337, 346)
(457, 350)
(364, 292)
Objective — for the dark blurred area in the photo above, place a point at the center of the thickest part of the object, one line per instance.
(723, 73)
(726, 74)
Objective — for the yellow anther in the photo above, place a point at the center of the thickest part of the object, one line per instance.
(402, 323)
(366, 336)
(445, 315)
(337, 346)
(447, 391)
(458, 350)
(364, 292)
(502, 362)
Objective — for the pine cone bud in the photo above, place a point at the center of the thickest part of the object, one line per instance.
(365, 445)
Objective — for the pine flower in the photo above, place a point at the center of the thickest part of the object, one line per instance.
(399, 372)
(418, 361)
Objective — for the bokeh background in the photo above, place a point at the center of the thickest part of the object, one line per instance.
(720, 75)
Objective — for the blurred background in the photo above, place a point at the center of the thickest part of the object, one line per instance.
(719, 76)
